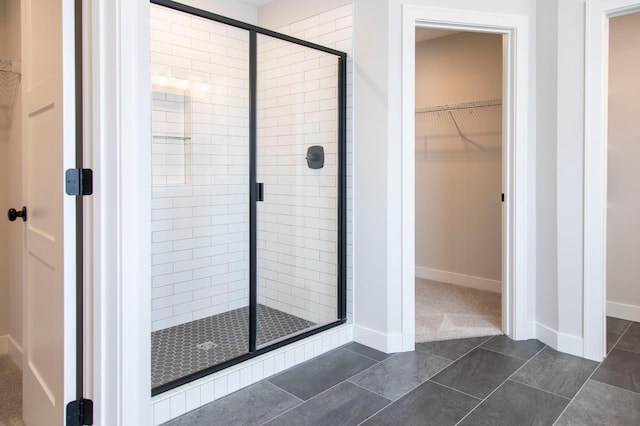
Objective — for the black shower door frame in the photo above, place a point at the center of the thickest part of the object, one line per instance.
(254, 351)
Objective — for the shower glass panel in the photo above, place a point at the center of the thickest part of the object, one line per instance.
(199, 195)
(247, 197)
(297, 175)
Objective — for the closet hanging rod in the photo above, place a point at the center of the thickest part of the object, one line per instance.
(461, 106)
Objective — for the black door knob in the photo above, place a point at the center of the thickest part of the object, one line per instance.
(13, 214)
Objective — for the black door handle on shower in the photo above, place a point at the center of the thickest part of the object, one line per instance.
(13, 214)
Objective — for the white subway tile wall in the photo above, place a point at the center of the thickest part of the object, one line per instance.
(297, 108)
(200, 170)
(336, 32)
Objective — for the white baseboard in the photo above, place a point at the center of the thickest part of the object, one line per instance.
(459, 279)
(622, 311)
(387, 343)
(567, 343)
(9, 346)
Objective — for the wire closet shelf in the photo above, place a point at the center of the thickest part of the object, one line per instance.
(9, 80)
(430, 119)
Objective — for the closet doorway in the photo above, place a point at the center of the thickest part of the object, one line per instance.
(458, 184)
(623, 177)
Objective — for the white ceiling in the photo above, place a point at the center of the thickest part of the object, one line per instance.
(256, 3)
(423, 34)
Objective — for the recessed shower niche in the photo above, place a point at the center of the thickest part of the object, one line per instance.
(170, 132)
(248, 245)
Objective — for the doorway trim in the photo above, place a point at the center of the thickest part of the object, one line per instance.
(597, 17)
(518, 277)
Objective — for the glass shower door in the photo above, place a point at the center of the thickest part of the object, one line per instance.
(199, 196)
(297, 180)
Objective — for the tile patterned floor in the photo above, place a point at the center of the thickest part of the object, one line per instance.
(196, 345)
(477, 381)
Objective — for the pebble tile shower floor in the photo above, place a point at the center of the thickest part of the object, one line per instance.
(475, 381)
(187, 348)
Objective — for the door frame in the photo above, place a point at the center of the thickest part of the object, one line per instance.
(597, 17)
(518, 274)
(117, 147)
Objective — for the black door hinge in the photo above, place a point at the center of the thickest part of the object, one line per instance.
(79, 182)
(80, 412)
(503, 197)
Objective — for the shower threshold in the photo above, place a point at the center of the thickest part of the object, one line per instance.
(194, 346)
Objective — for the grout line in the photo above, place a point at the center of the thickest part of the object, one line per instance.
(619, 338)
(373, 392)
(542, 390)
(578, 392)
(456, 390)
(500, 385)
(368, 357)
(464, 354)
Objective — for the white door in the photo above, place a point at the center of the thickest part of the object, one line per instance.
(48, 141)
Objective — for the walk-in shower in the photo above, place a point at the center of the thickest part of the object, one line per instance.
(247, 197)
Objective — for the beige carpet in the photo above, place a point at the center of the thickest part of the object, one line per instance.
(10, 393)
(446, 311)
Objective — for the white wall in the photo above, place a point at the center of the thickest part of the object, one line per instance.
(458, 184)
(623, 174)
(11, 234)
(280, 13)
(229, 8)
(546, 109)
(377, 160)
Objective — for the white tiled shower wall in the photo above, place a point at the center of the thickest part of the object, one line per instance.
(200, 172)
(297, 108)
(176, 402)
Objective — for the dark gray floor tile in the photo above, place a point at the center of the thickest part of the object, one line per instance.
(631, 339)
(344, 404)
(366, 351)
(315, 376)
(523, 349)
(428, 404)
(479, 372)
(556, 372)
(264, 399)
(602, 404)
(615, 328)
(399, 374)
(451, 349)
(517, 404)
(620, 368)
